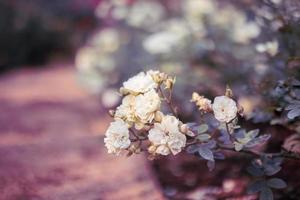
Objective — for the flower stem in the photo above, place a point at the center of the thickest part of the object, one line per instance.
(169, 101)
(283, 154)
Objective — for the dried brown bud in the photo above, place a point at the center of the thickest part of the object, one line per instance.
(169, 83)
(228, 92)
(129, 153)
(240, 110)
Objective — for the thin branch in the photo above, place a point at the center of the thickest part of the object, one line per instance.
(169, 102)
(133, 133)
(283, 154)
(227, 128)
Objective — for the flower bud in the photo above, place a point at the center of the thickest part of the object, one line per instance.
(184, 128)
(158, 116)
(203, 103)
(123, 91)
(169, 83)
(195, 97)
(112, 113)
(157, 76)
(132, 148)
(138, 150)
(228, 92)
(152, 149)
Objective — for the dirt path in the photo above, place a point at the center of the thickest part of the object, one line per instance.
(51, 143)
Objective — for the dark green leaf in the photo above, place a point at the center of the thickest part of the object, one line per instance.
(270, 170)
(276, 183)
(293, 113)
(253, 133)
(266, 194)
(254, 171)
(206, 153)
(256, 186)
(203, 137)
(202, 128)
(192, 149)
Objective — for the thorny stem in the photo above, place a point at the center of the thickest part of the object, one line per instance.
(168, 100)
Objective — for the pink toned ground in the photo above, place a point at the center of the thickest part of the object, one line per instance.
(51, 143)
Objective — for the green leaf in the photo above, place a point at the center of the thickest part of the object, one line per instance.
(276, 183)
(255, 171)
(266, 194)
(256, 186)
(238, 146)
(202, 128)
(203, 137)
(206, 153)
(253, 133)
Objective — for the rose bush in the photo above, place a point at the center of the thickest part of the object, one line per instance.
(141, 125)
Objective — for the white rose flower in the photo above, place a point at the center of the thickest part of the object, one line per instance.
(146, 105)
(225, 109)
(176, 142)
(167, 137)
(138, 84)
(163, 150)
(126, 110)
(117, 137)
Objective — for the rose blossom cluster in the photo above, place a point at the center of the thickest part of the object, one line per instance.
(139, 116)
(139, 122)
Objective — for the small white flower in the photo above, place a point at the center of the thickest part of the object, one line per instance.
(146, 105)
(145, 14)
(117, 137)
(269, 47)
(138, 84)
(126, 111)
(162, 42)
(225, 109)
(167, 137)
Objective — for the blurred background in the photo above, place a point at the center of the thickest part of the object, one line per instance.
(62, 61)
